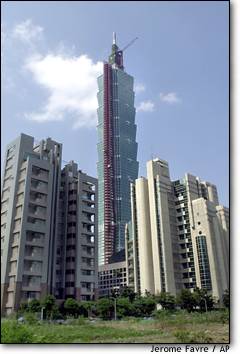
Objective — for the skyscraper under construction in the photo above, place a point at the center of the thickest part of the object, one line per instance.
(117, 153)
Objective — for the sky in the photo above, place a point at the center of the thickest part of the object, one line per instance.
(52, 54)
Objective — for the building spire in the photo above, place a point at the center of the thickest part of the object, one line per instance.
(116, 57)
(114, 37)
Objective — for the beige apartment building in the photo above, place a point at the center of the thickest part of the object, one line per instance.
(178, 234)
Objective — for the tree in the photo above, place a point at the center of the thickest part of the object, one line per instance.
(144, 306)
(124, 307)
(166, 300)
(186, 300)
(50, 307)
(105, 308)
(226, 299)
(126, 291)
(87, 308)
(71, 307)
(203, 299)
(34, 306)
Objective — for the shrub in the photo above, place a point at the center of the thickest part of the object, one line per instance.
(30, 318)
(13, 332)
(191, 337)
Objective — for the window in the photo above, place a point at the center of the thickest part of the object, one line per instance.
(71, 247)
(69, 284)
(70, 271)
(11, 150)
(203, 260)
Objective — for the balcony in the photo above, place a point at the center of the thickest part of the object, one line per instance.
(38, 198)
(39, 186)
(89, 254)
(32, 271)
(32, 254)
(31, 287)
(37, 212)
(88, 198)
(34, 242)
(87, 220)
(40, 174)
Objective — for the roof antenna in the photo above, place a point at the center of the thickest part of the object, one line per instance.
(114, 37)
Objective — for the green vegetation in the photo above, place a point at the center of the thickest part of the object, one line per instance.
(226, 299)
(189, 318)
(166, 327)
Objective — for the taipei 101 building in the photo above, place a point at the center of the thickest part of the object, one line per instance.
(117, 153)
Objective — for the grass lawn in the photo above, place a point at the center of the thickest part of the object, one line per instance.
(179, 327)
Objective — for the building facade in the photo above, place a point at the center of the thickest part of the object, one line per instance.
(75, 273)
(48, 226)
(30, 184)
(111, 277)
(181, 227)
(117, 154)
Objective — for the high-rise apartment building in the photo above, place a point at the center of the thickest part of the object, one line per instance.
(75, 273)
(48, 226)
(153, 238)
(178, 234)
(203, 233)
(117, 154)
(30, 184)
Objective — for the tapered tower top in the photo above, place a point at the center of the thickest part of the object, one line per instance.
(116, 57)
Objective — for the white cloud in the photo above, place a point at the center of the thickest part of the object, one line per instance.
(27, 32)
(170, 98)
(138, 88)
(146, 106)
(72, 85)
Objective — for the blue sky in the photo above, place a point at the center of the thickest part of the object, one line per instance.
(52, 53)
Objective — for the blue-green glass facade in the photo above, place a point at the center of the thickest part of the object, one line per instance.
(125, 165)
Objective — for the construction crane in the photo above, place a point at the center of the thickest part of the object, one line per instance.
(117, 54)
(128, 45)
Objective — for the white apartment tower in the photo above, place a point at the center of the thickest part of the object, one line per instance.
(182, 228)
(153, 260)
